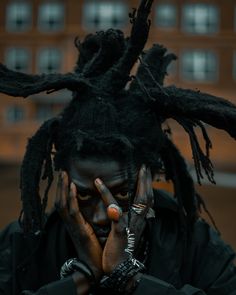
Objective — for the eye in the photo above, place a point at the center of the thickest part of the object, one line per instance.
(83, 196)
(122, 196)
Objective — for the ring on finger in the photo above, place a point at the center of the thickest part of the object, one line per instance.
(114, 212)
(138, 208)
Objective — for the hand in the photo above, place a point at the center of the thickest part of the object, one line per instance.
(83, 237)
(114, 251)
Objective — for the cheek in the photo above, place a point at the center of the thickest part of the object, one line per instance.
(87, 211)
(92, 210)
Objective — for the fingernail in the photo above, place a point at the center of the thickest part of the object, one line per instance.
(72, 186)
(72, 190)
(98, 181)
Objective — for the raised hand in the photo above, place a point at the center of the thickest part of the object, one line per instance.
(114, 250)
(84, 239)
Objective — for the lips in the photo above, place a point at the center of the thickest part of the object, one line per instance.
(102, 234)
(102, 237)
(101, 231)
(102, 241)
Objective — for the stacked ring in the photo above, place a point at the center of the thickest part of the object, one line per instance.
(114, 212)
(138, 208)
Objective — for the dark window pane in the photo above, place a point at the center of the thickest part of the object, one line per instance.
(200, 18)
(49, 60)
(18, 16)
(51, 17)
(199, 65)
(15, 114)
(166, 16)
(101, 15)
(18, 59)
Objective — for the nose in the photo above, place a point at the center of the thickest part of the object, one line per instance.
(100, 214)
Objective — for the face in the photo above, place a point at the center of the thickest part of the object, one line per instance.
(83, 173)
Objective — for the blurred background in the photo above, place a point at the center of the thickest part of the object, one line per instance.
(37, 37)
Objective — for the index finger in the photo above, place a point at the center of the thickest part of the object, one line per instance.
(141, 192)
(106, 195)
(114, 212)
(150, 194)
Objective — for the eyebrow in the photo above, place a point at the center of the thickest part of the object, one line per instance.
(81, 188)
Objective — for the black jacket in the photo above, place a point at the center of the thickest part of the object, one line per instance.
(204, 267)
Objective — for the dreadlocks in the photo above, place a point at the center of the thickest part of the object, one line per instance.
(105, 117)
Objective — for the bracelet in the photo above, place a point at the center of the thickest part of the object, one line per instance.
(120, 276)
(73, 265)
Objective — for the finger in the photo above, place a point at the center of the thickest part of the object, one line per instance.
(106, 195)
(62, 193)
(114, 211)
(65, 190)
(141, 193)
(150, 195)
(59, 188)
(73, 203)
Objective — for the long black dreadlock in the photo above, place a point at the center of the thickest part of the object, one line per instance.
(106, 117)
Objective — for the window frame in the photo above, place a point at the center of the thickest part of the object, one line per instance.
(166, 27)
(14, 107)
(28, 55)
(190, 76)
(95, 7)
(39, 62)
(10, 25)
(193, 29)
(43, 26)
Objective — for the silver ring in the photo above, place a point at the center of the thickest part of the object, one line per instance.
(138, 208)
(116, 207)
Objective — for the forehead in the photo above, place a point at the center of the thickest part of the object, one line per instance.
(84, 171)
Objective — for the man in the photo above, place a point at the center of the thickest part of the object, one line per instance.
(110, 232)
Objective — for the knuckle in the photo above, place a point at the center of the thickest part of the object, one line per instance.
(73, 212)
(120, 230)
(104, 189)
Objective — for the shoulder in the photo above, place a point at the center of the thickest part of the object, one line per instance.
(164, 200)
(206, 237)
(211, 256)
(7, 233)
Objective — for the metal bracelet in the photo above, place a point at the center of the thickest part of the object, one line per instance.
(73, 265)
(130, 242)
(118, 279)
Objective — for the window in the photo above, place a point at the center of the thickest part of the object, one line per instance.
(200, 18)
(18, 59)
(18, 16)
(51, 17)
(199, 65)
(15, 114)
(44, 112)
(49, 60)
(104, 15)
(166, 16)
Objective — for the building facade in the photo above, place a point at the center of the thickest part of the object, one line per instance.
(37, 37)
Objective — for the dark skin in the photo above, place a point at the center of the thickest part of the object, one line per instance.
(82, 199)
